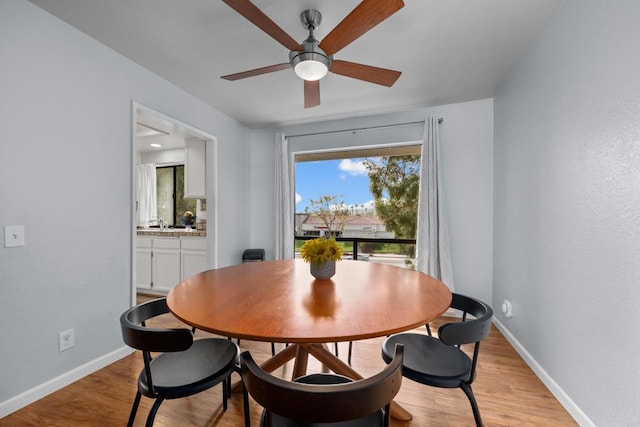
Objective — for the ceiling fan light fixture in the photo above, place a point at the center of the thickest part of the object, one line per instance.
(310, 66)
(312, 63)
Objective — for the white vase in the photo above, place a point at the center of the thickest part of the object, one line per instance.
(323, 271)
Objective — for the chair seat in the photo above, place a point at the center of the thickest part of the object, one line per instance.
(376, 419)
(428, 361)
(207, 362)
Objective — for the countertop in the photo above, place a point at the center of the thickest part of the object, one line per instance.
(178, 232)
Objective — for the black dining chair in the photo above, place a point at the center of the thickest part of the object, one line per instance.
(439, 361)
(321, 399)
(184, 366)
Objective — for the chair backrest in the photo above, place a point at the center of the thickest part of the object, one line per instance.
(467, 331)
(323, 403)
(135, 334)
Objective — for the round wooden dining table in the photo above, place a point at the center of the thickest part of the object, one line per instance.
(279, 301)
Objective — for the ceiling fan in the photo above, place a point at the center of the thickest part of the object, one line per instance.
(311, 59)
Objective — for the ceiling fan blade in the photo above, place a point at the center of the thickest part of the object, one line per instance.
(257, 72)
(311, 93)
(364, 17)
(370, 74)
(262, 21)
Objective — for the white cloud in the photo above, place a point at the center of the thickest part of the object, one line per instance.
(364, 208)
(352, 168)
(371, 204)
(298, 198)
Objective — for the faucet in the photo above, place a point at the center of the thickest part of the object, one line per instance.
(161, 222)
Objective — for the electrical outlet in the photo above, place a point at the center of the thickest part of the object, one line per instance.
(66, 340)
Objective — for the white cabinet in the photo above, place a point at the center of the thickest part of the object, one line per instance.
(194, 256)
(143, 262)
(164, 261)
(194, 168)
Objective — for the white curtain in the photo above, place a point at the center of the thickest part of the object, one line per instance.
(283, 197)
(432, 240)
(146, 194)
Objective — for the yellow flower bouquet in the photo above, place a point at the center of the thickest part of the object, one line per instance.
(319, 251)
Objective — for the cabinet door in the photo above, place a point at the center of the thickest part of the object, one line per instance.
(193, 262)
(166, 269)
(194, 168)
(143, 268)
(143, 262)
(166, 263)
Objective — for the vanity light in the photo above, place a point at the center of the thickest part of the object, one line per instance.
(155, 145)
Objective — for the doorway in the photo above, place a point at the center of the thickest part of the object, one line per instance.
(166, 251)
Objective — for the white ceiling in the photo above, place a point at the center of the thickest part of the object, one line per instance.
(153, 128)
(448, 51)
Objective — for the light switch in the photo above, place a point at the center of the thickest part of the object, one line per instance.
(13, 236)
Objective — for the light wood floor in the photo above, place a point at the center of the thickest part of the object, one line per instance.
(508, 393)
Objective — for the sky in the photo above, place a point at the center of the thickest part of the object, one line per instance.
(346, 177)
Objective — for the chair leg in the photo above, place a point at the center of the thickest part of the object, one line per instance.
(273, 349)
(245, 406)
(224, 394)
(350, 350)
(134, 409)
(387, 415)
(153, 411)
(474, 405)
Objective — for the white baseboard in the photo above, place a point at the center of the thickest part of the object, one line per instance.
(574, 410)
(23, 399)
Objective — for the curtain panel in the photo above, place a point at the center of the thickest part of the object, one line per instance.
(146, 194)
(432, 240)
(283, 201)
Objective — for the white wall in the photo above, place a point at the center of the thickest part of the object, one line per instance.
(466, 138)
(262, 178)
(567, 207)
(65, 174)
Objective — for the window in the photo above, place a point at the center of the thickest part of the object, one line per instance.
(372, 192)
(170, 194)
